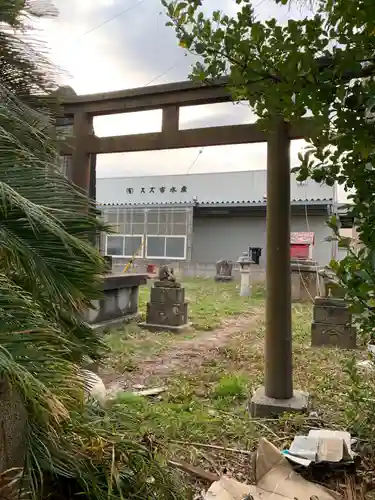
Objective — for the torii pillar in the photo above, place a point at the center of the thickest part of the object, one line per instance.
(83, 172)
(277, 395)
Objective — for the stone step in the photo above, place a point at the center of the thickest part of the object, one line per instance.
(167, 296)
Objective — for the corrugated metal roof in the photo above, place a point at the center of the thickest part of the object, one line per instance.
(212, 204)
(229, 188)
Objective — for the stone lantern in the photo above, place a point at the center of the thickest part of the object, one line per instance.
(245, 262)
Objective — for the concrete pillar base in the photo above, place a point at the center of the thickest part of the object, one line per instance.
(262, 406)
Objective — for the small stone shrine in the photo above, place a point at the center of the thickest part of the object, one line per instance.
(332, 324)
(167, 309)
(224, 270)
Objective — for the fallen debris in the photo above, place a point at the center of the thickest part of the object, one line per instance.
(213, 447)
(321, 445)
(150, 392)
(275, 480)
(366, 365)
(198, 472)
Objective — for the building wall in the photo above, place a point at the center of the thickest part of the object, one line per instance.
(206, 188)
(228, 237)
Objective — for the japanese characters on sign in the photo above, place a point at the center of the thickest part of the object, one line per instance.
(161, 189)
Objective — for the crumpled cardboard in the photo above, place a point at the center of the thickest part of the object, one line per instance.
(275, 480)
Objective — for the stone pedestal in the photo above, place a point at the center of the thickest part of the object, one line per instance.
(224, 270)
(119, 303)
(332, 324)
(303, 280)
(167, 309)
(262, 406)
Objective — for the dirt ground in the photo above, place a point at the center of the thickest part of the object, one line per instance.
(185, 354)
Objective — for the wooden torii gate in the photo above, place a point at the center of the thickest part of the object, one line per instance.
(278, 394)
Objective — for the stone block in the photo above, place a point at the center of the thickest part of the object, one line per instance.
(167, 314)
(332, 315)
(342, 336)
(261, 406)
(167, 284)
(330, 301)
(223, 278)
(304, 283)
(167, 295)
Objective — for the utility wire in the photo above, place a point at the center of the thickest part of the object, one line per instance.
(162, 74)
(195, 160)
(121, 13)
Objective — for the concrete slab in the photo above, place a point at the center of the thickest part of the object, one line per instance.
(165, 328)
(262, 406)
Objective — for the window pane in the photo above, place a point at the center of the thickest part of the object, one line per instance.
(152, 228)
(132, 245)
(175, 248)
(163, 217)
(152, 216)
(138, 217)
(155, 246)
(138, 229)
(162, 229)
(115, 245)
(179, 217)
(179, 229)
(112, 217)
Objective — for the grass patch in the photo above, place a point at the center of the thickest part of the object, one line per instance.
(207, 402)
(211, 302)
(231, 386)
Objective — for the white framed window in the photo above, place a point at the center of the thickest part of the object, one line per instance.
(124, 245)
(166, 247)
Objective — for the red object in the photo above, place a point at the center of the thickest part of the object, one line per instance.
(300, 244)
(299, 251)
(151, 268)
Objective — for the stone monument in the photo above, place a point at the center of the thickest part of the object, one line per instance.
(332, 324)
(167, 309)
(224, 270)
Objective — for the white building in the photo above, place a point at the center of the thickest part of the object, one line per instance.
(198, 219)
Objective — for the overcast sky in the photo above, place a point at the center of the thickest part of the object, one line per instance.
(104, 45)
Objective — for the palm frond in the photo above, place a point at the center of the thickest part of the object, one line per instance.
(49, 274)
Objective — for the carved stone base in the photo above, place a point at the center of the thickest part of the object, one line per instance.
(172, 314)
(324, 335)
(332, 324)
